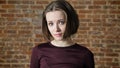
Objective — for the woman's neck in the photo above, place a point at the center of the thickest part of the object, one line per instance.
(62, 43)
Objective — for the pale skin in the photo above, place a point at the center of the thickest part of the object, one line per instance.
(56, 22)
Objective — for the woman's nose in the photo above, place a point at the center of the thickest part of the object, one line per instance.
(57, 28)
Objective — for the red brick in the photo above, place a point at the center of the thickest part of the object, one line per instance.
(99, 54)
(3, 11)
(6, 56)
(5, 65)
(14, 11)
(23, 23)
(37, 27)
(94, 7)
(112, 64)
(37, 7)
(2, 35)
(112, 54)
(110, 7)
(11, 19)
(10, 31)
(108, 16)
(84, 28)
(7, 15)
(13, 28)
(85, 20)
(115, 46)
(2, 2)
(95, 24)
(94, 49)
(95, 41)
(97, 45)
(18, 66)
(82, 36)
(24, 32)
(93, 16)
(22, 6)
(85, 11)
(27, 2)
(108, 41)
(107, 50)
(2, 61)
(100, 11)
(27, 66)
(2, 43)
(80, 7)
(98, 28)
(26, 27)
(12, 52)
(82, 41)
(41, 2)
(117, 50)
(99, 20)
(8, 6)
(14, 2)
(82, 16)
(20, 57)
(19, 15)
(116, 66)
(117, 2)
(96, 2)
(84, 2)
(0, 31)
(37, 40)
(106, 59)
(38, 36)
(108, 24)
(82, 32)
(115, 11)
(113, 28)
(83, 24)
(112, 37)
(97, 37)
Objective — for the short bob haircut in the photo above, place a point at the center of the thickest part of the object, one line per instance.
(72, 18)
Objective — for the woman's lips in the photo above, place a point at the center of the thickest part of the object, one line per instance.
(58, 35)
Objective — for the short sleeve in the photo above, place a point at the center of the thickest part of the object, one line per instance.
(89, 60)
(34, 63)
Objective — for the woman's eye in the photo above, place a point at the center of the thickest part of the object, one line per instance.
(50, 24)
(61, 22)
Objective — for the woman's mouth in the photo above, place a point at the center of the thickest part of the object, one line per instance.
(58, 35)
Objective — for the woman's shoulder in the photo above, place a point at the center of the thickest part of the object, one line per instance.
(84, 49)
(42, 45)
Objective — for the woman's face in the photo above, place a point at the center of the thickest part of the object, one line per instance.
(56, 22)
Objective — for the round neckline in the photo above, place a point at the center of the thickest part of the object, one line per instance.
(62, 47)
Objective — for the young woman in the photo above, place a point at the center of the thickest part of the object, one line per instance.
(59, 23)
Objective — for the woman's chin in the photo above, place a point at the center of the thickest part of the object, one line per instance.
(58, 39)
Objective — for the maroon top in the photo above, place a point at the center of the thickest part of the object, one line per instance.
(47, 55)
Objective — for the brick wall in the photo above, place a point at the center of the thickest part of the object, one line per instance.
(20, 30)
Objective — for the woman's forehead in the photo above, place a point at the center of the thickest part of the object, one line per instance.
(55, 14)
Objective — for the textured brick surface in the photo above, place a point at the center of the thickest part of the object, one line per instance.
(20, 30)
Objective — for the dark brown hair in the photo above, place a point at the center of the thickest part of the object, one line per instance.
(72, 18)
